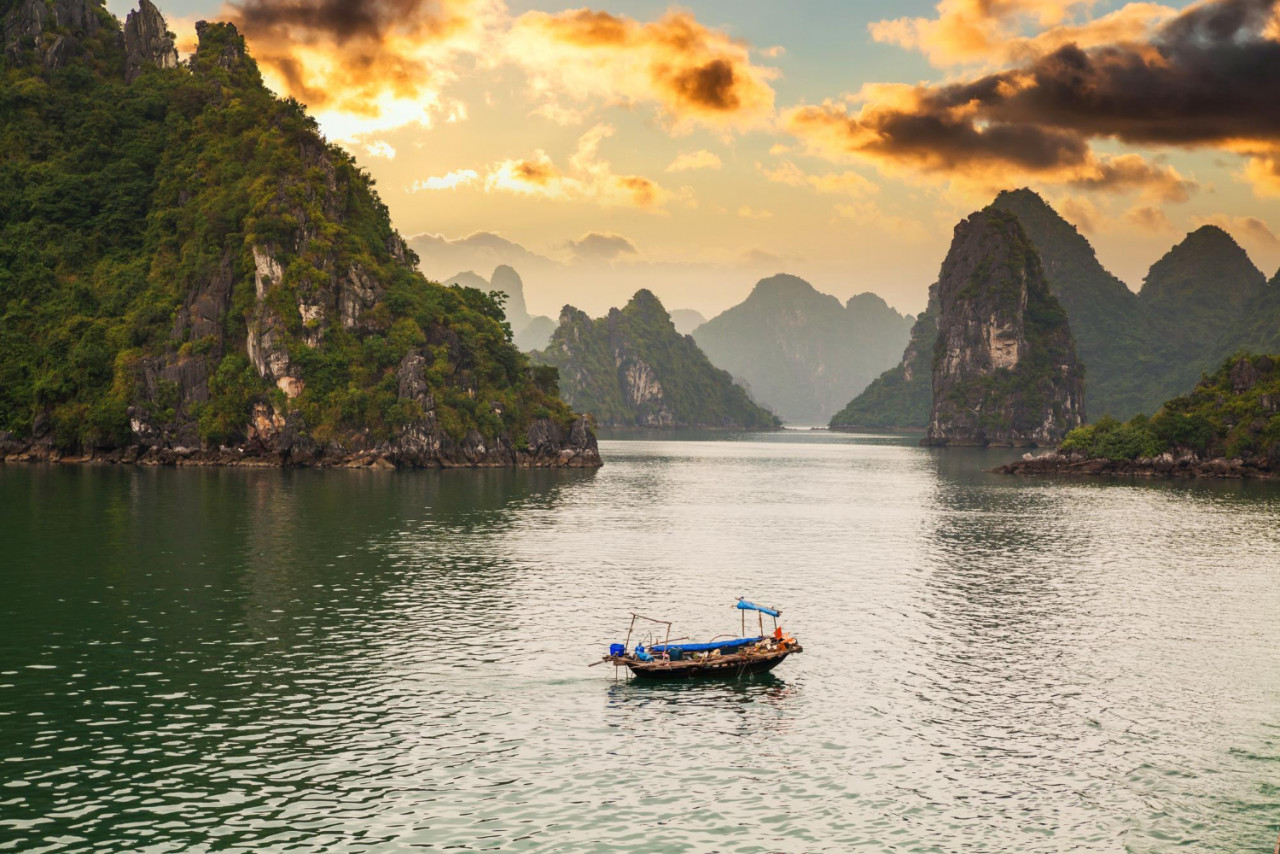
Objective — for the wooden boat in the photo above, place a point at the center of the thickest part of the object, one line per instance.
(723, 656)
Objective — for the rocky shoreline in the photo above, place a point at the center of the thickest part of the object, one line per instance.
(1188, 465)
(546, 445)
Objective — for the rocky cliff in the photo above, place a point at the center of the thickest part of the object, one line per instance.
(1004, 364)
(631, 368)
(147, 41)
(190, 273)
(1114, 337)
(49, 32)
(801, 351)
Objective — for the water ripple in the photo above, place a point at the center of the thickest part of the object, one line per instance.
(353, 661)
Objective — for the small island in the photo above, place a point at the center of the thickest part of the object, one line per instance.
(1228, 427)
(631, 368)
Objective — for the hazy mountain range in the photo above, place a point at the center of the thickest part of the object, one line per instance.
(1199, 303)
(800, 352)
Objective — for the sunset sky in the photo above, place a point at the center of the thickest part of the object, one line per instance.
(694, 149)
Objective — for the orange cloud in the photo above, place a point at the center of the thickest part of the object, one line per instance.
(836, 183)
(910, 135)
(694, 75)
(1261, 167)
(589, 178)
(451, 181)
(1149, 218)
(994, 32)
(701, 159)
(1081, 213)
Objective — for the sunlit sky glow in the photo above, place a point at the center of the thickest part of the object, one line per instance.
(713, 143)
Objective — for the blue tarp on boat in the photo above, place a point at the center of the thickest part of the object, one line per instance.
(744, 605)
(735, 643)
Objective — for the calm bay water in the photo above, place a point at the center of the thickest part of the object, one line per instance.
(345, 661)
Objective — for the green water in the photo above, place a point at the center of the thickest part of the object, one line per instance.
(223, 660)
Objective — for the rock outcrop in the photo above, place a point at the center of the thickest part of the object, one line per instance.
(1004, 364)
(1204, 300)
(51, 32)
(632, 369)
(1112, 329)
(1187, 465)
(147, 41)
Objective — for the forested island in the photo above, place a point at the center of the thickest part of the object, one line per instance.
(1229, 426)
(631, 368)
(190, 273)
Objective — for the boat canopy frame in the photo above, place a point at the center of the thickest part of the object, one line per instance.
(744, 606)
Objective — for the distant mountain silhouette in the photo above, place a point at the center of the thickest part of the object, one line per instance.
(529, 333)
(800, 351)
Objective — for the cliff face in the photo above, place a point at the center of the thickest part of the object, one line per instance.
(800, 351)
(147, 41)
(49, 32)
(1112, 328)
(198, 277)
(631, 368)
(1004, 364)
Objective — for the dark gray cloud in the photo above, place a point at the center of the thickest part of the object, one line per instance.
(1209, 77)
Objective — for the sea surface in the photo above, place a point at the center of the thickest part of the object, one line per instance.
(233, 660)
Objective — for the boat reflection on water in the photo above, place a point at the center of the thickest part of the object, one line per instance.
(761, 688)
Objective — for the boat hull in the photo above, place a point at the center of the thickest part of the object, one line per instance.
(725, 667)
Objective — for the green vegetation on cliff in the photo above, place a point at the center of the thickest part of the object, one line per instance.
(1197, 300)
(631, 368)
(1233, 413)
(180, 249)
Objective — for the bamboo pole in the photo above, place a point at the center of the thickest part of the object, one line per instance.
(626, 644)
